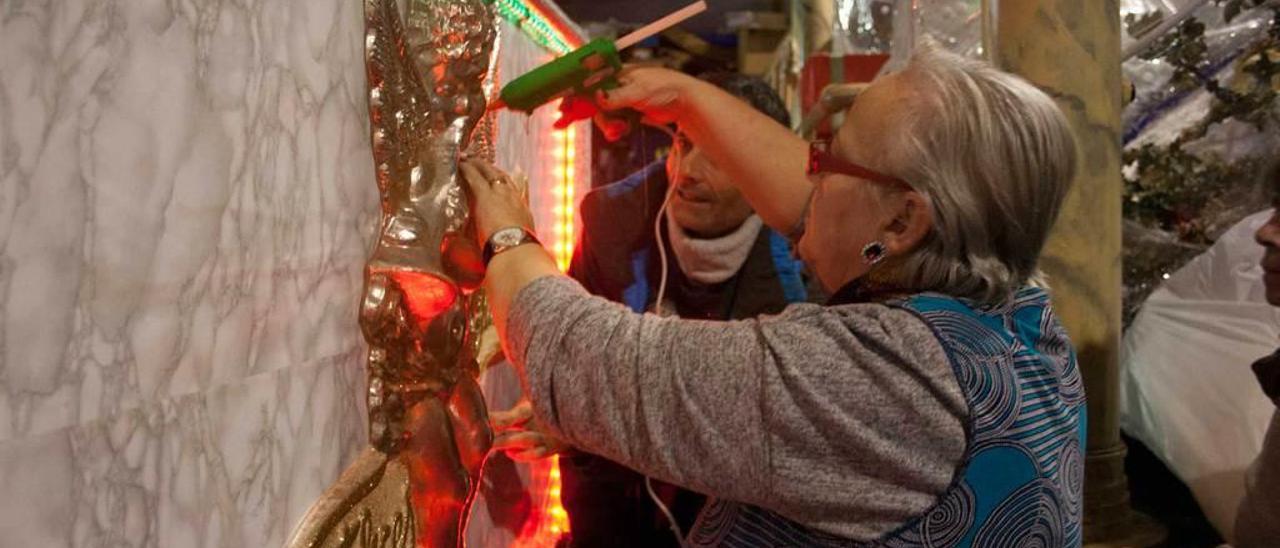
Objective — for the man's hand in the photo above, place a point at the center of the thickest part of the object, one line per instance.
(521, 436)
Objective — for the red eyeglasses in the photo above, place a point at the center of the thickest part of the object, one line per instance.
(821, 160)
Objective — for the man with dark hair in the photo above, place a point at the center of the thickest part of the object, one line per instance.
(723, 264)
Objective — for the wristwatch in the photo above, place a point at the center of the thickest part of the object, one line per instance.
(506, 238)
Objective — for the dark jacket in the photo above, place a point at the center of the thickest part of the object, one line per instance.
(1258, 519)
(616, 258)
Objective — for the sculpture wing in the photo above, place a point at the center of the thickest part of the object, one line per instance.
(398, 101)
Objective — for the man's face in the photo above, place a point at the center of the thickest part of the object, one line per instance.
(1269, 237)
(704, 202)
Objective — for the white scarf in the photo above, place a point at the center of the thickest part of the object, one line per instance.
(713, 260)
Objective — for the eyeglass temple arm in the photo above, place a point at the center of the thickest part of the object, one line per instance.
(834, 98)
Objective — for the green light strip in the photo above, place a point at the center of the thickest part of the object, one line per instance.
(533, 24)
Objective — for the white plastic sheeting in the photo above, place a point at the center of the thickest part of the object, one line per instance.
(1187, 390)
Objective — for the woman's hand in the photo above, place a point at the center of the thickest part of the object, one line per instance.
(520, 435)
(497, 200)
(659, 95)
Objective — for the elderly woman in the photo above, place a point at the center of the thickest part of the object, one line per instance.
(934, 401)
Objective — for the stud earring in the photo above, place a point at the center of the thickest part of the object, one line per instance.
(873, 253)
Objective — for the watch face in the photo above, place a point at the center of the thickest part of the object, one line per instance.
(508, 237)
(504, 239)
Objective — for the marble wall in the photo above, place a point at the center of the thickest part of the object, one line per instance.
(186, 201)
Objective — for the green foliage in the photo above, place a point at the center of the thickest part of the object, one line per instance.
(1171, 186)
(1167, 186)
(1184, 48)
(1137, 26)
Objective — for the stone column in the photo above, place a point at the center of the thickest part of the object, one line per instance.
(819, 25)
(1072, 50)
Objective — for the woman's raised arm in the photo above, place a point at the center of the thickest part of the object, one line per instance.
(763, 158)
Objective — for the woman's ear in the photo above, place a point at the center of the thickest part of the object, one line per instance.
(911, 223)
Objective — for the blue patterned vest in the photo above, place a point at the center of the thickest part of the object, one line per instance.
(1022, 475)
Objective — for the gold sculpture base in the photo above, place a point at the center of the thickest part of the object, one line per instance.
(419, 497)
(368, 507)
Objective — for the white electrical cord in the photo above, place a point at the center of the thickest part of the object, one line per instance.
(662, 253)
(676, 152)
(675, 527)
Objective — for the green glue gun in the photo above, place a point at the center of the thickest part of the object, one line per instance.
(575, 77)
(579, 74)
(581, 71)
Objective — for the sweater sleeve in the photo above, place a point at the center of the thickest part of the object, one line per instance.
(847, 419)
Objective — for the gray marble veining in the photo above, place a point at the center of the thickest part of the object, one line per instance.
(184, 215)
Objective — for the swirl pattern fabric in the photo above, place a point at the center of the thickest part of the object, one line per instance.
(1021, 481)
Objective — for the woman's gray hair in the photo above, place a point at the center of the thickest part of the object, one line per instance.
(995, 157)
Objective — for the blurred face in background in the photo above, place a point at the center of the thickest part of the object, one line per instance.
(704, 202)
(1268, 236)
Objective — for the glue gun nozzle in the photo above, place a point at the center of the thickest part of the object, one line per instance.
(497, 104)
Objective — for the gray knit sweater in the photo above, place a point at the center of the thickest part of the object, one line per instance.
(847, 419)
